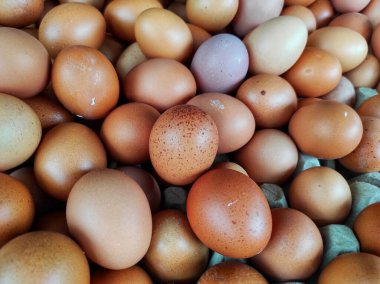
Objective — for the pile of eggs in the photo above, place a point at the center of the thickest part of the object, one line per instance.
(198, 141)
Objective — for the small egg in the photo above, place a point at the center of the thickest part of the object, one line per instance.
(20, 13)
(303, 13)
(199, 35)
(343, 93)
(129, 58)
(231, 166)
(131, 275)
(112, 48)
(54, 221)
(370, 107)
(96, 3)
(367, 74)
(355, 21)
(372, 11)
(347, 6)
(323, 12)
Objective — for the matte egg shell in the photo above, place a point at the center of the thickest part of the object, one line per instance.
(370, 107)
(129, 58)
(54, 221)
(302, 12)
(367, 74)
(131, 275)
(20, 13)
(355, 21)
(346, 6)
(344, 92)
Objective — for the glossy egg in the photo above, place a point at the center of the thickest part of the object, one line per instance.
(19, 13)
(229, 213)
(346, 6)
(323, 12)
(131, 275)
(355, 21)
(303, 13)
(367, 74)
(370, 107)
(129, 58)
(231, 166)
(344, 92)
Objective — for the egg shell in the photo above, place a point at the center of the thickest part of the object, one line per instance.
(323, 12)
(161, 83)
(372, 11)
(129, 58)
(229, 213)
(275, 45)
(370, 107)
(220, 64)
(355, 21)
(344, 92)
(199, 35)
(131, 275)
(367, 74)
(53, 222)
(375, 41)
(346, 6)
(108, 213)
(231, 166)
(299, 2)
(302, 12)
(96, 3)
(20, 13)
(179, 8)
(112, 48)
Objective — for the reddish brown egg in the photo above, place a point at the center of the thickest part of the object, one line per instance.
(355, 21)
(307, 101)
(229, 213)
(269, 157)
(343, 93)
(323, 12)
(302, 12)
(20, 13)
(17, 208)
(199, 35)
(129, 58)
(53, 222)
(370, 107)
(372, 11)
(131, 275)
(336, 126)
(375, 41)
(367, 74)
(112, 48)
(271, 99)
(96, 3)
(108, 213)
(295, 249)
(346, 6)
(67, 152)
(183, 144)
(231, 166)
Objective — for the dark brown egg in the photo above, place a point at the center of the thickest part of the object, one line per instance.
(20, 13)
(356, 21)
(323, 12)
(367, 74)
(229, 213)
(112, 48)
(131, 275)
(178, 8)
(343, 93)
(370, 107)
(53, 222)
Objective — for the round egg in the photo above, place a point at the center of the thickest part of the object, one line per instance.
(336, 126)
(20, 13)
(355, 21)
(372, 11)
(183, 144)
(231, 166)
(20, 132)
(43, 257)
(269, 157)
(160, 82)
(303, 13)
(129, 58)
(299, 2)
(367, 74)
(370, 107)
(112, 48)
(25, 63)
(85, 82)
(108, 213)
(375, 41)
(131, 275)
(229, 213)
(323, 12)
(220, 64)
(275, 45)
(67, 152)
(54, 221)
(295, 249)
(199, 35)
(346, 6)
(233, 119)
(344, 92)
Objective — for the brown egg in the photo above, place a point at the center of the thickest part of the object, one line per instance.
(67, 152)
(355, 21)
(375, 41)
(231, 166)
(183, 144)
(175, 254)
(48, 5)
(323, 12)
(229, 213)
(370, 107)
(25, 63)
(372, 11)
(125, 132)
(336, 126)
(299, 2)
(269, 157)
(200, 35)
(212, 15)
(347, 6)
(131, 275)
(343, 93)
(108, 213)
(17, 209)
(367, 74)
(160, 82)
(121, 15)
(72, 24)
(271, 99)
(322, 194)
(128, 59)
(302, 12)
(20, 132)
(48, 111)
(179, 8)
(53, 222)
(316, 73)
(147, 183)
(161, 33)
(43, 257)
(232, 272)
(352, 268)
(306, 101)
(295, 249)
(20, 13)
(112, 48)
(233, 119)
(96, 3)
(366, 156)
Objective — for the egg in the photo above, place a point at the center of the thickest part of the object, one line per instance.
(367, 74)
(96, 3)
(54, 221)
(275, 45)
(375, 41)
(323, 12)
(17, 209)
(161, 33)
(336, 126)
(372, 11)
(43, 257)
(273, 152)
(67, 152)
(220, 64)
(295, 249)
(85, 82)
(233, 119)
(229, 213)
(346, 6)
(344, 92)
(160, 82)
(199, 35)
(231, 166)
(370, 107)
(299, 2)
(129, 58)
(178, 8)
(352, 268)
(315, 73)
(302, 12)
(20, 132)
(131, 275)
(71, 24)
(25, 63)
(112, 48)
(183, 144)
(20, 13)
(355, 21)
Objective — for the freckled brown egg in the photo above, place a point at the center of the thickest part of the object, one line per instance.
(367, 74)
(231, 166)
(299, 2)
(366, 156)
(346, 6)
(121, 15)
(25, 63)
(175, 254)
(336, 126)
(323, 12)
(85, 82)
(128, 59)
(344, 92)
(112, 48)
(96, 3)
(232, 272)
(43, 257)
(315, 73)
(17, 209)
(20, 13)
(372, 11)
(229, 213)
(302, 12)
(370, 107)
(161, 83)
(67, 152)
(233, 119)
(199, 35)
(269, 157)
(125, 132)
(108, 213)
(295, 249)
(53, 222)
(161, 33)
(72, 24)
(131, 275)
(355, 21)
(20, 132)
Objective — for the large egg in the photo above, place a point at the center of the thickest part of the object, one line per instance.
(346, 6)
(355, 21)
(20, 13)
(370, 107)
